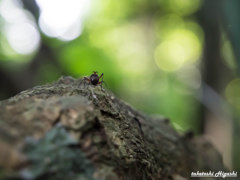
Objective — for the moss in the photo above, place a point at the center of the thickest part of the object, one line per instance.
(56, 156)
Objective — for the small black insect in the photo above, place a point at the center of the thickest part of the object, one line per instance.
(94, 79)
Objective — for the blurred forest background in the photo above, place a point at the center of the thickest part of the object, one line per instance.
(176, 58)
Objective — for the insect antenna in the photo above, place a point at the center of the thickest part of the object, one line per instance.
(104, 82)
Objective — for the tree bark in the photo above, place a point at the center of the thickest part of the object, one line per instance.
(62, 131)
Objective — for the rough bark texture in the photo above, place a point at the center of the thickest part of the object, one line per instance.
(62, 131)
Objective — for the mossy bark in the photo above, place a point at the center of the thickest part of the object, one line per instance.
(111, 138)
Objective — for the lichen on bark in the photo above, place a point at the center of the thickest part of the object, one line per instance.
(118, 141)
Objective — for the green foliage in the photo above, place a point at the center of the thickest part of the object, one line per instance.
(139, 46)
(55, 157)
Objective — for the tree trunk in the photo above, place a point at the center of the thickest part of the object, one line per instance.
(62, 131)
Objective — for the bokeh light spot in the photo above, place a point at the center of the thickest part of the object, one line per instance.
(185, 7)
(63, 18)
(127, 43)
(23, 37)
(169, 56)
(181, 46)
(228, 54)
(232, 93)
(18, 28)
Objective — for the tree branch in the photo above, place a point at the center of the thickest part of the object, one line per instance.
(118, 141)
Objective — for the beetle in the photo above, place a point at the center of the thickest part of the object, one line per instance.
(94, 79)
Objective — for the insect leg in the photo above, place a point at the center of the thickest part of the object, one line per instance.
(88, 80)
(80, 83)
(84, 81)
